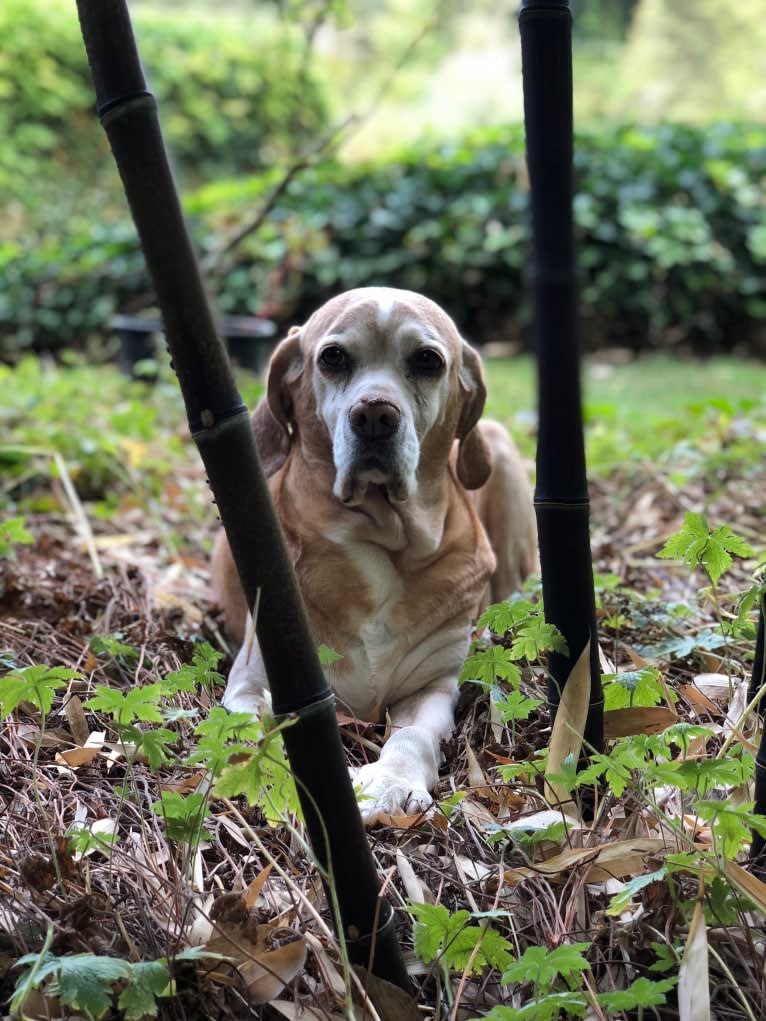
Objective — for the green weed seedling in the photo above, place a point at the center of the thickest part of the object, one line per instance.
(36, 686)
(698, 546)
(454, 944)
(90, 984)
(13, 533)
(555, 979)
(633, 689)
(525, 636)
(558, 978)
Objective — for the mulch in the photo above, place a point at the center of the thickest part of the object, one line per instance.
(144, 901)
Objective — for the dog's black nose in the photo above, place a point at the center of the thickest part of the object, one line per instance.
(374, 419)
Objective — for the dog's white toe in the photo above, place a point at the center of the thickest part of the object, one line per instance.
(386, 793)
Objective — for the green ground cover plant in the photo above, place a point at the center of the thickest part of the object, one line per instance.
(671, 236)
(54, 145)
(148, 832)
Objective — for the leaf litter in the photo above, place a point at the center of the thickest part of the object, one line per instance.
(494, 854)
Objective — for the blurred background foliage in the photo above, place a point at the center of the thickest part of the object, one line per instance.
(416, 175)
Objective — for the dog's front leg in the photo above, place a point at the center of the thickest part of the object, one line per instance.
(401, 780)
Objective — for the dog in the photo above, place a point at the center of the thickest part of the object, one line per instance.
(404, 515)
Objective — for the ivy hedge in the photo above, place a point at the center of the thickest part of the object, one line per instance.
(234, 91)
(671, 225)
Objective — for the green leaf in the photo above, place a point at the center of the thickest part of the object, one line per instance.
(197, 674)
(154, 745)
(13, 533)
(184, 816)
(743, 623)
(264, 778)
(37, 684)
(701, 775)
(639, 688)
(535, 637)
(543, 966)
(148, 980)
(125, 708)
(731, 824)
(515, 706)
(328, 656)
(696, 546)
(545, 1008)
(722, 902)
(439, 934)
(621, 900)
(688, 542)
(222, 735)
(84, 982)
(721, 545)
(112, 647)
(566, 775)
(83, 840)
(487, 666)
(501, 617)
(41, 966)
(642, 993)
(429, 934)
(666, 955)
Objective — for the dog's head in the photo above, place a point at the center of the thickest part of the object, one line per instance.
(380, 380)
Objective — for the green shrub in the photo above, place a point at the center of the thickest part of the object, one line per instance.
(232, 88)
(671, 228)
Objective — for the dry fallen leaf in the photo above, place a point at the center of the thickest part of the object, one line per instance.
(476, 777)
(188, 783)
(414, 888)
(567, 733)
(330, 977)
(75, 715)
(749, 884)
(636, 658)
(251, 894)
(601, 863)
(700, 701)
(693, 978)
(477, 814)
(638, 720)
(303, 1011)
(390, 1002)
(76, 757)
(715, 686)
(267, 957)
(400, 822)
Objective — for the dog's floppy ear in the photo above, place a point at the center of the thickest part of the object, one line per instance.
(285, 368)
(473, 459)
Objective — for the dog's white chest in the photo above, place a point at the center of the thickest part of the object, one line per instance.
(385, 586)
(377, 651)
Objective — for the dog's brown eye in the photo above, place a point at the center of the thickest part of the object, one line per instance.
(426, 362)
(334, 359)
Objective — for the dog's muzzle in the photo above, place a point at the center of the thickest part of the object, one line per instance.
(375, 431)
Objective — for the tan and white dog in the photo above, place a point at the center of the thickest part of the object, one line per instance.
(370, 436)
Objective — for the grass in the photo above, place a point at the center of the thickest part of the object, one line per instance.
(641, 409)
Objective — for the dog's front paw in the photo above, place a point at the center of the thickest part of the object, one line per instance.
(383, 792)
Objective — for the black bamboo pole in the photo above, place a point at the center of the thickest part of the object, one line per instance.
(758, 844)
(561, 494)
(220, 426)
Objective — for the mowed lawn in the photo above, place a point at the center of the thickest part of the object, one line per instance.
(642, 409)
